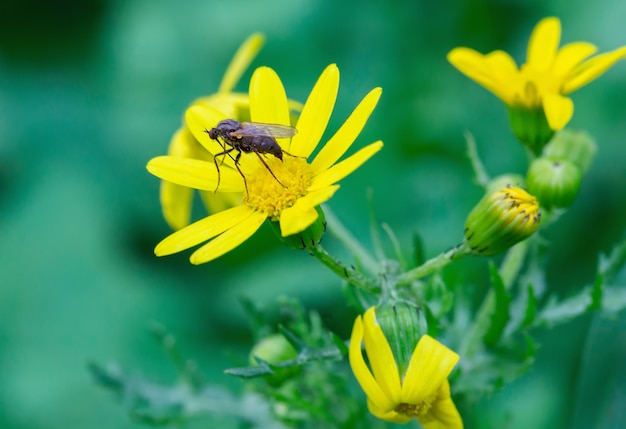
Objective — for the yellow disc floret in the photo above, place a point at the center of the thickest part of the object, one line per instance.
(277, 187)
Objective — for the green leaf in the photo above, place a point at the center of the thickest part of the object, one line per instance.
(157, 404)
(596, 293)
(611, 265)
(531, 308)
(555, 312)
(418, 249)
(306, 354)
(500, 315)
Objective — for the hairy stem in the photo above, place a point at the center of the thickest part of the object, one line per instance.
(350, 274)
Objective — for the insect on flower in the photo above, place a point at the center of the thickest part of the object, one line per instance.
(249, 137)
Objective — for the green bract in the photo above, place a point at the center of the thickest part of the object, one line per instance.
(555, 182)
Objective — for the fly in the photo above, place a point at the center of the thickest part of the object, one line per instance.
(249, 137)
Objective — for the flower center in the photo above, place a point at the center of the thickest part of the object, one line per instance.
(278, 186)
(416, 410)
(534, 84)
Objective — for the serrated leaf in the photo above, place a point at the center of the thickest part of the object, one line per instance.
(500, 315)
(157, 404)
(555, 313)
(610, 265)
(531, 308)
(614, 299)
(262, 369)
(418, 249)
(293, 339)
(341, 345)
(596, 293)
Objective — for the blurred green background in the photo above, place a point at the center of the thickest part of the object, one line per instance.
(91, 90)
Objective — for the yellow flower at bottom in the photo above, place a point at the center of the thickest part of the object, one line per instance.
(287, 190)
(422, 392)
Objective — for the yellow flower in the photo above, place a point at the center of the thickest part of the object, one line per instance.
(546, 79)
(422, 392)
(176, 200)
(290, 192)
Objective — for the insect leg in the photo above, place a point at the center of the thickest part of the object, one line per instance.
(269, 169)
(223, 154)
(245, 183)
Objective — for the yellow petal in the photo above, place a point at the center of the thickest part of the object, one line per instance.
(492, 71)
(302, 214)
(195, 174)
(390, 416)
(268, 101)
(228, 240)
(362, 372)
(592, 69)
(176, 200)
(240, 62)
(345, 167)
(316, 113)
(202, 230)
(345, 136)
(200, 119)
(381, 358)
(217, 202)
(505, 74)
(570, 56)
(430, 365)
(543, 44)
(558, 110)
(443, 413)
(176, 203)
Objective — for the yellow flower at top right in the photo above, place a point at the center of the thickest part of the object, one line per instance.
(544, 81)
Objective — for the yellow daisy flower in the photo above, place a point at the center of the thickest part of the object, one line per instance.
(549, 75)
(421, 392)
(286, 191)
(176, 200)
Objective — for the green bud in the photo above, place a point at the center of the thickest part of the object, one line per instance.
(577, 147)
(403, 325)
(530, 126)
(274, 349)
(310, 237)
(504, 181)
(555, 182)
(500, 220)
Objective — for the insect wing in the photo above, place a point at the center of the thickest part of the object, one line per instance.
(252, 129)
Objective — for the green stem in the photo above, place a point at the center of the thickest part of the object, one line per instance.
(480, 174)
(434, 264)
(342, 234)
(508, 271)
(347, 273)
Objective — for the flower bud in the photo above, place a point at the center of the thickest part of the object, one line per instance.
(577, 147)
(555, 182)
(500, 220)
(403, 325)
(310, 237)
(274, 349)
(530, 126)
